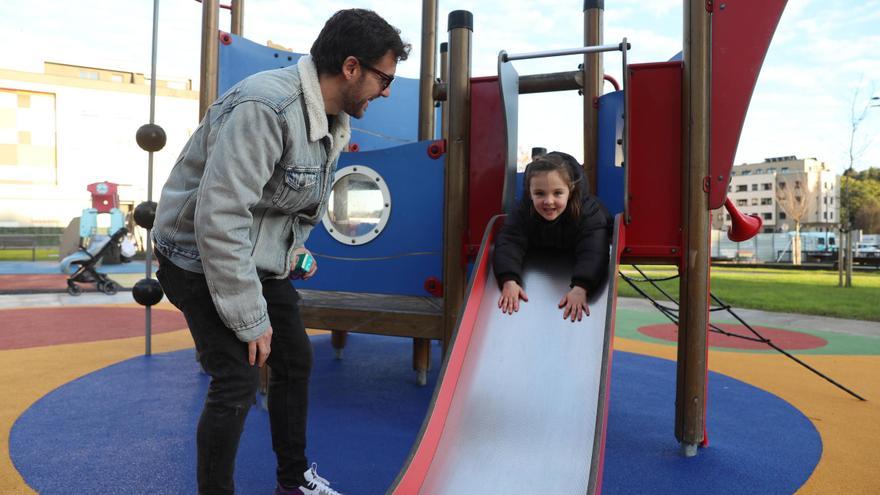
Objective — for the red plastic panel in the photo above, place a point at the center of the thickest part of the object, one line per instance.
(654, 105)
(104, 196)
(487, 157)
(741, 34)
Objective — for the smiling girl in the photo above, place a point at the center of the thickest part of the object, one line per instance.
(556, 213)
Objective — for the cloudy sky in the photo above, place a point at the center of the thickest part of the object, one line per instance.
(824, 54)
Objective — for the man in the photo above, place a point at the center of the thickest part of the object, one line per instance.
(249, 186)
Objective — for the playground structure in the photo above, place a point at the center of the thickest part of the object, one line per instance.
(667, 138)
(81, 265)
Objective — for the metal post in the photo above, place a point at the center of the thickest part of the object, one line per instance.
(148, 254)
(236, 25)
(428, 61)
(444, 78)
(694, 289)
(422, 347)
(594, 73)
(461, 25)
(210, 55)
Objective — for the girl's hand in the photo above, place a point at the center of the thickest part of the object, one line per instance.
(511, 293)
(575, 304)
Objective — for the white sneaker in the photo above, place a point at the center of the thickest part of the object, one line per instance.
(316, 485)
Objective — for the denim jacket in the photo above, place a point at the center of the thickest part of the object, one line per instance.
(249, 186)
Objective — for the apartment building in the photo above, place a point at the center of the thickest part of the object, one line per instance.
(782, 188)
(70, 126)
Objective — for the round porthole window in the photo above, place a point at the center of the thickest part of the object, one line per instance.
(359, 206)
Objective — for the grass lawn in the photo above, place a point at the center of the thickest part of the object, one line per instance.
(790, 291)
(42, 254)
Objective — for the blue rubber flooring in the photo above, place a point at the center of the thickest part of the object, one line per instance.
(52, 267)
(130, 428)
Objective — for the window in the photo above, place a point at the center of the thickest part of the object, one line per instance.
(767, 216)
(797, 184)
(754, 201)
(729, 188)
(784, 169)
(754, 187)
(727, 217)
(782, 185)
(759, 171)
(766, 186)
(742, 188)
(766, 201)
(88, 74)
(732, 173)
(27, 137)
(116, 78)
(771, 170)
(782, 215)
(825, 215)
(832, 200)
(742, 202)
(831, 217)
(746, 172)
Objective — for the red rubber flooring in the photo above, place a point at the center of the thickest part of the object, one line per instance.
(785, 339)
(36, 327)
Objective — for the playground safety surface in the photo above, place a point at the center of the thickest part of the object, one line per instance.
(61, 355)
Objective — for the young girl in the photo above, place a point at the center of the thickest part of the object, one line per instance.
(556, 213)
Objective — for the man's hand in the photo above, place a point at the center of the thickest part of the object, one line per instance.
(298, 251)
(511, 293)
(575, 304)
(258, 350)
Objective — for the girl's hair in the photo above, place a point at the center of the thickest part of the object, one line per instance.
(568, 169)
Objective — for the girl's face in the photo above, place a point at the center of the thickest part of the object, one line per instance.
(549, 194)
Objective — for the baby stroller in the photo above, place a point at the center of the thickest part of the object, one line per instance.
(83, 265)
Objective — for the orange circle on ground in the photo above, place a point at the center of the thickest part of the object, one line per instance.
(784, 339)
(35, 327)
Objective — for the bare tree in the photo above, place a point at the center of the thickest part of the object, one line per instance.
(794, 197)
(857, 147)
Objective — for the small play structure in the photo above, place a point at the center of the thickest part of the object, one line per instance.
(82, 264)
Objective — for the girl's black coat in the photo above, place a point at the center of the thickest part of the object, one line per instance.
(587, 239)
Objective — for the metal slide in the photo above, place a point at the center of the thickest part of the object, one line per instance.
(522, 402)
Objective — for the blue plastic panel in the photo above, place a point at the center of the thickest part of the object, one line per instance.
(243, 57)
(609, 169)
(409, 249)
(388, 121)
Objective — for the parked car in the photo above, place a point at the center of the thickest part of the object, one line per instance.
(867, 251)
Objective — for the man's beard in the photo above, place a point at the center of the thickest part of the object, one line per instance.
(352, 103)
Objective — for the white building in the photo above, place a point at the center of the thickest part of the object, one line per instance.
(756, 188)
(71, 126)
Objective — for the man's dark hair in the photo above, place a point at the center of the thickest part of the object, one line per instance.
(358, 33)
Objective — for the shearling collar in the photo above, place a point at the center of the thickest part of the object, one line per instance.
(341, 131)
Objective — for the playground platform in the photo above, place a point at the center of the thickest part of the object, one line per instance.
(84, 411)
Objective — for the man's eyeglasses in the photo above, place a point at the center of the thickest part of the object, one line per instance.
(385, 79)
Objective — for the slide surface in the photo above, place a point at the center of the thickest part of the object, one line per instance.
(522, 404)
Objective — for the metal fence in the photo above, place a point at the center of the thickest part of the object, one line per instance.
(29, 242)
(763, 248)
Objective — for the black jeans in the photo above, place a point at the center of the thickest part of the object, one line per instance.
(234, 381)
